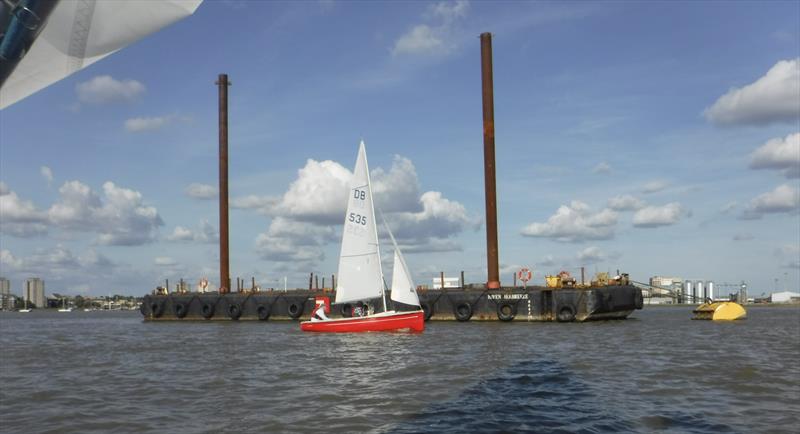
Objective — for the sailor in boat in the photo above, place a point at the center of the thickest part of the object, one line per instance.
(319, 314)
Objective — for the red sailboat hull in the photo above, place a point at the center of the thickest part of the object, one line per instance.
(387, 321)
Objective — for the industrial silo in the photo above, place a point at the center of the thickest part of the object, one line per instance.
(699, 291)
(686, 297)
(710, 289)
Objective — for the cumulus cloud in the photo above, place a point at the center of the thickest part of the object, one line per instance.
(591, 255)
(205, 233)
(314, 206)
(775, 97)
(263, 204)
(164, 261)
(789, 256)
(781, 153)
(105, 89)
(655, 216)
(397, 189)
(654, 186)
(784, 199)
(625, 202)
(119, 218)
(439, 219)
(20, 217)
(58, 263)
(135, 125)
(47, 174)
(602, 167)
(574, 223)
(318, 195)
(202, 191)
(436, 38)
(294, 241)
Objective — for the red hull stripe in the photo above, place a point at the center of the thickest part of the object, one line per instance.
(413, 321)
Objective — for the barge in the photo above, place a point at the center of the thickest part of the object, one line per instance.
(509, 304)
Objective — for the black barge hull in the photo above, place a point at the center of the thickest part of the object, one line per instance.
(506, 304)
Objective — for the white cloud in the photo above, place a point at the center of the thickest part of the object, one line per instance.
(205, 233)
(438, 38)
(655, 216)
(120, 218)
(439, 219)
(202, 191)
(135, 125)
(294, 241)
(105, 89)
(591, 255)
(449, 11)
(398, 189)
(20, 217)
(784, 199)
(602, 167)
(779, 154)
(775, 97)
(164, 261)
(789, 255)
(47, 174)
(729, 207)
(58, 263)
(314, 205)
(625, 202)
(575, 222)
(318, 195)
(654, 186)
(262, 204)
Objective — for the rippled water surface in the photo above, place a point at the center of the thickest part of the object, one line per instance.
(657, 371)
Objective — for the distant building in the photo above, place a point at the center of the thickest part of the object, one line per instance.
(449, 282)
(6, 299)
(34, 292)
(667, 290)
(785, 297)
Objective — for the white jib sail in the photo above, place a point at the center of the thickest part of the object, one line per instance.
(403, 289)
(360, 275)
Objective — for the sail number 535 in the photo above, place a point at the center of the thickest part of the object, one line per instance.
(358, 219)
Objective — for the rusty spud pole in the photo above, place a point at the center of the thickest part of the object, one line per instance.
(224, 265)
(492, 260)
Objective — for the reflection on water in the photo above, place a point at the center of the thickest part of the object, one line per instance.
(104, 371)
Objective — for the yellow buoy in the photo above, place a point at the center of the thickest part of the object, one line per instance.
(720, 311)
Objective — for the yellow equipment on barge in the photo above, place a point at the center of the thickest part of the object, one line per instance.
(720, 311)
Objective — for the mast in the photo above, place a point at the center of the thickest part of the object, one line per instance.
(375, 228)
(224, 269)
(493, 281)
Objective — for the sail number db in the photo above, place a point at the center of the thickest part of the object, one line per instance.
(358, 219)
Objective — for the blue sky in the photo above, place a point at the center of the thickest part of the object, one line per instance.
(654, 138)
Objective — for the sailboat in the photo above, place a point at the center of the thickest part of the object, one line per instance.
(64, 307)
(26, 310)
(360, 274)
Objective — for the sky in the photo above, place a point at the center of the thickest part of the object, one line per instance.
(653, 138)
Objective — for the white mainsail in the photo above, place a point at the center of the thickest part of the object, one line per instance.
(79, 33)
(360, 274)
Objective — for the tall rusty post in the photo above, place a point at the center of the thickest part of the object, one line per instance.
(224, 264)
(492, 260)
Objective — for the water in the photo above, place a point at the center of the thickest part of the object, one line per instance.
(109, 371)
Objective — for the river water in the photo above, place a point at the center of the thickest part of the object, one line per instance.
(657, 371)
